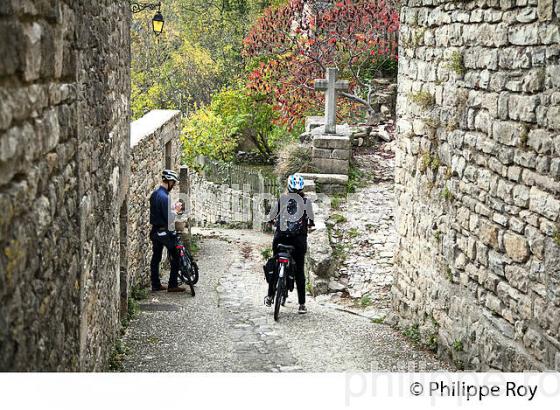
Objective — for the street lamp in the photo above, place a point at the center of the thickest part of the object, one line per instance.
(157, 20)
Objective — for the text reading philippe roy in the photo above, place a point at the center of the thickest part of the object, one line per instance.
(479, 392)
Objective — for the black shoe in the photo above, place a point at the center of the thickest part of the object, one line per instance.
(268, 301)
(158, 288)
(302, 310)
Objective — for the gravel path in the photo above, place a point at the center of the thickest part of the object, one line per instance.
(226, 327)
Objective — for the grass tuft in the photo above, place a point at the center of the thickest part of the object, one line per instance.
(456, 63)
(423, 99)
(266, 253)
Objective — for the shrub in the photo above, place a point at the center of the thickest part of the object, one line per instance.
(293, 158)
(413, 333)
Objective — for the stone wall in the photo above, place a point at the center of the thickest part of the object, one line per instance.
(150, 154)
(228, 194)
(64, 114)
(213, 204)
(478, 181)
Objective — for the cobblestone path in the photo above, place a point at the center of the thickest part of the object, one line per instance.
(226, 327)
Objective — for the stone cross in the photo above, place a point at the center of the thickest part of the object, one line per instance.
(331, 86)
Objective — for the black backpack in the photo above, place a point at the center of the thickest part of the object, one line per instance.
(293, 228)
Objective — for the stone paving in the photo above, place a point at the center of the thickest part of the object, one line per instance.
(367, 236)
(227, 328)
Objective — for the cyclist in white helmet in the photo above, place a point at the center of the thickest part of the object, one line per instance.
(294, 216)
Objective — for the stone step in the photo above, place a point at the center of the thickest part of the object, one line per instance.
(331, 179)
(332, 141)
(309, 185)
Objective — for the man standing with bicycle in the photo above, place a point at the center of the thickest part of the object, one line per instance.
(294, 217)
(161, 236)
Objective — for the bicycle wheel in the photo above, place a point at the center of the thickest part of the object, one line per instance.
(194, 273)
(185, 273)
(279, 294)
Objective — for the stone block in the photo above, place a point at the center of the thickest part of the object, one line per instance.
(544, 9)
(544, 203)
(314, 122)
(331, 153)
(516, 247)
(488, 234)
(549, 34)
(32, 60)
(331, 179)
(524, 35)
(523, 107)
(10, 46)
(331, 166)
(332, 142)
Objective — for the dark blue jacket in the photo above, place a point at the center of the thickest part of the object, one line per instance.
(159, 208)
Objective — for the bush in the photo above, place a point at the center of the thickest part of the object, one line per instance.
(205, 133)
(294, 158)
(234, 116)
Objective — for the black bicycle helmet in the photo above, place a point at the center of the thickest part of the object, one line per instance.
(169, 175)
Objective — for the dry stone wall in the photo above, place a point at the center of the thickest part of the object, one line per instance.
(154, 146)
(228, 194)
(64, 134)
(478, 181)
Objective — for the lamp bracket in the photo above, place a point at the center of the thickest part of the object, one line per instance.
(138, 7)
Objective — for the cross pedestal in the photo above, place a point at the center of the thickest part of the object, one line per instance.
(330, 85)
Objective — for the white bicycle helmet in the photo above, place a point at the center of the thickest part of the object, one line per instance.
(169, 175)
(295, 183)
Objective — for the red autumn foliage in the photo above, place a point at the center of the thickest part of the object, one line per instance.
(295, 43)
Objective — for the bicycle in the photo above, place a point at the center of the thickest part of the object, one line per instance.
(188, 269)
(285, 282)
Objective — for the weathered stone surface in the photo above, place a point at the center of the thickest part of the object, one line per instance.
(334, 154)
(63, 181)
(492, 238)
(516, 247)
(544, 203)
(65, 154)
(330, 165)
(544, 9)
(489, 234)
(327, 178)
(331, 142)
(314, 122)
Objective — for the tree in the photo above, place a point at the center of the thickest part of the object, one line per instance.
(198, 53)
(235, 114)
(291, 45)
(208, 134)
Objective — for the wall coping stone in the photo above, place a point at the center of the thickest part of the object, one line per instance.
(150, 123)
